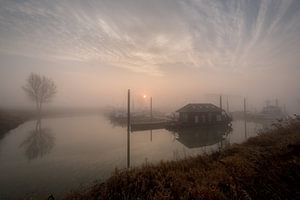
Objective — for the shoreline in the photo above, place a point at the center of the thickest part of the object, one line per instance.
(11, 120)
(264, 167)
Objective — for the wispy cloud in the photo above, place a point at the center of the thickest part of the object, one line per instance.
(144, 36)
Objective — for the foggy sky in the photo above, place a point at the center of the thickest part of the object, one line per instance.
(177, 51)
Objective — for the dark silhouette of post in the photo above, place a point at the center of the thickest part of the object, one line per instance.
(245, 111)
(245, 116)
(245, 129)
(227, 105)
(221, 101)
(151, 115)
(128, 129)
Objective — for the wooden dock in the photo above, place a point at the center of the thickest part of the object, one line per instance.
(142, 126)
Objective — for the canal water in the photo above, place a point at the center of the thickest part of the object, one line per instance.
(56, 155)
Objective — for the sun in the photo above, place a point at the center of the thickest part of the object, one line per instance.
(144, 96)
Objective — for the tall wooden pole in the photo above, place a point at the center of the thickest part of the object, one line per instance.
(245, 126)
(221, 101)
(245, 111)
(128, 129)
(227, 105)
(151, 115)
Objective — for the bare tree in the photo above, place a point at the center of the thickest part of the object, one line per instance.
(40, 89)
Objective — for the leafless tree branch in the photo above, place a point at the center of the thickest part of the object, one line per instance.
(40, 89)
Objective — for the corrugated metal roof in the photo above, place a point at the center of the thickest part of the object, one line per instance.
(199, 107)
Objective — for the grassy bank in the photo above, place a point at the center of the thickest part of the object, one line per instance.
(264, 167)
(11, 119)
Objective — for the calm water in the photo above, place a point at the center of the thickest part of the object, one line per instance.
(60, 154)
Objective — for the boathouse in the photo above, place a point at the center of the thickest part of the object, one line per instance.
(202, 114)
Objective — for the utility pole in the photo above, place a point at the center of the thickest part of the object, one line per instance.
(128, 129)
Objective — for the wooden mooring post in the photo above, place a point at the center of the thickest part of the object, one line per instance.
(245, 118)
(227, 106)
(245, 111)
(151, 117)
(128, 129)
(151, 114)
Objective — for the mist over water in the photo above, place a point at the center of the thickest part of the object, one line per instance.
(67, 66)
(56, 155)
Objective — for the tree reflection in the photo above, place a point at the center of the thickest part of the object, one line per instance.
(39, 142)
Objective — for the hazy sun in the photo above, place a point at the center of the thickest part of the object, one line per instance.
(144, 96)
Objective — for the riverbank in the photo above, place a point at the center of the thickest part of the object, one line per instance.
(12, 119)
(264, 167)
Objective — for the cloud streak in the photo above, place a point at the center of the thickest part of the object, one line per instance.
(144, 36)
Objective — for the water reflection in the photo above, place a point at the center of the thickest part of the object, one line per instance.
(115, 122)
(39, 142)
(201, 137)
(100, 149)
(260, 125)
